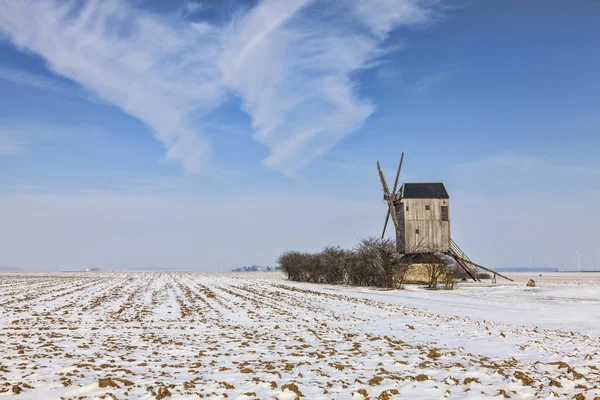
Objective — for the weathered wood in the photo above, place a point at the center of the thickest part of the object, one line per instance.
(398, 174)
(484, 268)
(463, 266)
(424, 215)
(456, 251)
(387, 216)
(421, 217)
(388, 197)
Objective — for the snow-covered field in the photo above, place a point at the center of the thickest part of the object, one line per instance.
(246, 336)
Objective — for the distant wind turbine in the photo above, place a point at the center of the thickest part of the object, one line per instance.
(578, 257)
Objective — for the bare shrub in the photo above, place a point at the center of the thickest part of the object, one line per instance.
(435, 265)
(362, 271)
(334, 262)
(292, 264)
(357, 272)
(374, 262)
(402, 270)
(452, 274)
(369, 254)
(378, 263)
(328, 266)
(314, 266)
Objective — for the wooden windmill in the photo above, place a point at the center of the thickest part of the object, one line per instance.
(421, 216)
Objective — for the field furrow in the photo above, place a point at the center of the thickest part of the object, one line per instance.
(192, 335)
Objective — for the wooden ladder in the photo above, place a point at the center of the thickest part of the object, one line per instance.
(469, 266)
(459, 255)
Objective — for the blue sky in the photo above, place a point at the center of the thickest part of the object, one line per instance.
(151, 133)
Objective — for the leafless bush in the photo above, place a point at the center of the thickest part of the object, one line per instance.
(292, 264)
(378, 264)
(402, 270)
(367, 271)
(435, 265)
(328, 266)
(357, 270)
(484, 275)
(334, 261)
(374, 262)
(451, 275)
(314, 266)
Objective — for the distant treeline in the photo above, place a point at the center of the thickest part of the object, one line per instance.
(373, 262)
(543, 269)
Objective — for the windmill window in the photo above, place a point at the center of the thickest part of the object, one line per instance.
(416, 231)
(427, 207)
(406, 208)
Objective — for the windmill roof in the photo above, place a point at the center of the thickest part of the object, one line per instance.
(435, 190)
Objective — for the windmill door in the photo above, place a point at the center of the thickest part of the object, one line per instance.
(444, 213)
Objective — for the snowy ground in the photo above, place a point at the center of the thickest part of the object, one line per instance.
(246, 336)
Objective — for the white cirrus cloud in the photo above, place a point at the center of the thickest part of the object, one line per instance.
(290, 62)
(48, 84)
(31, 80)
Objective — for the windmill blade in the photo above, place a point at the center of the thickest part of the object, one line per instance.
(398, 174)
(388, 197)
(386, 190)
(387, 217)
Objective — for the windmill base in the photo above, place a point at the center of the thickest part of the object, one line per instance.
(458, 256)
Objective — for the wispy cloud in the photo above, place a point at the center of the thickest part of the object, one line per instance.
(43, 83)
(290, 62)
(428, 82)
(28, 79)
(153, 71)
(192, 7)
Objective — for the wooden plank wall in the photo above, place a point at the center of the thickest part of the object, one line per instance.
(434, 234)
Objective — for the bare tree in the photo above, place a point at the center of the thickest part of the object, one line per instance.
(435, 265)
(387, 260)
(451, 275)
(316, 267)
(292, 263)
(378, 264)
(357, 269)
(374, 262)
(402, 270)
(365, 270)
(333, 261)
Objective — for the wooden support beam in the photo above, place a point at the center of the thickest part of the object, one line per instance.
(483, 268)
(463, 266)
